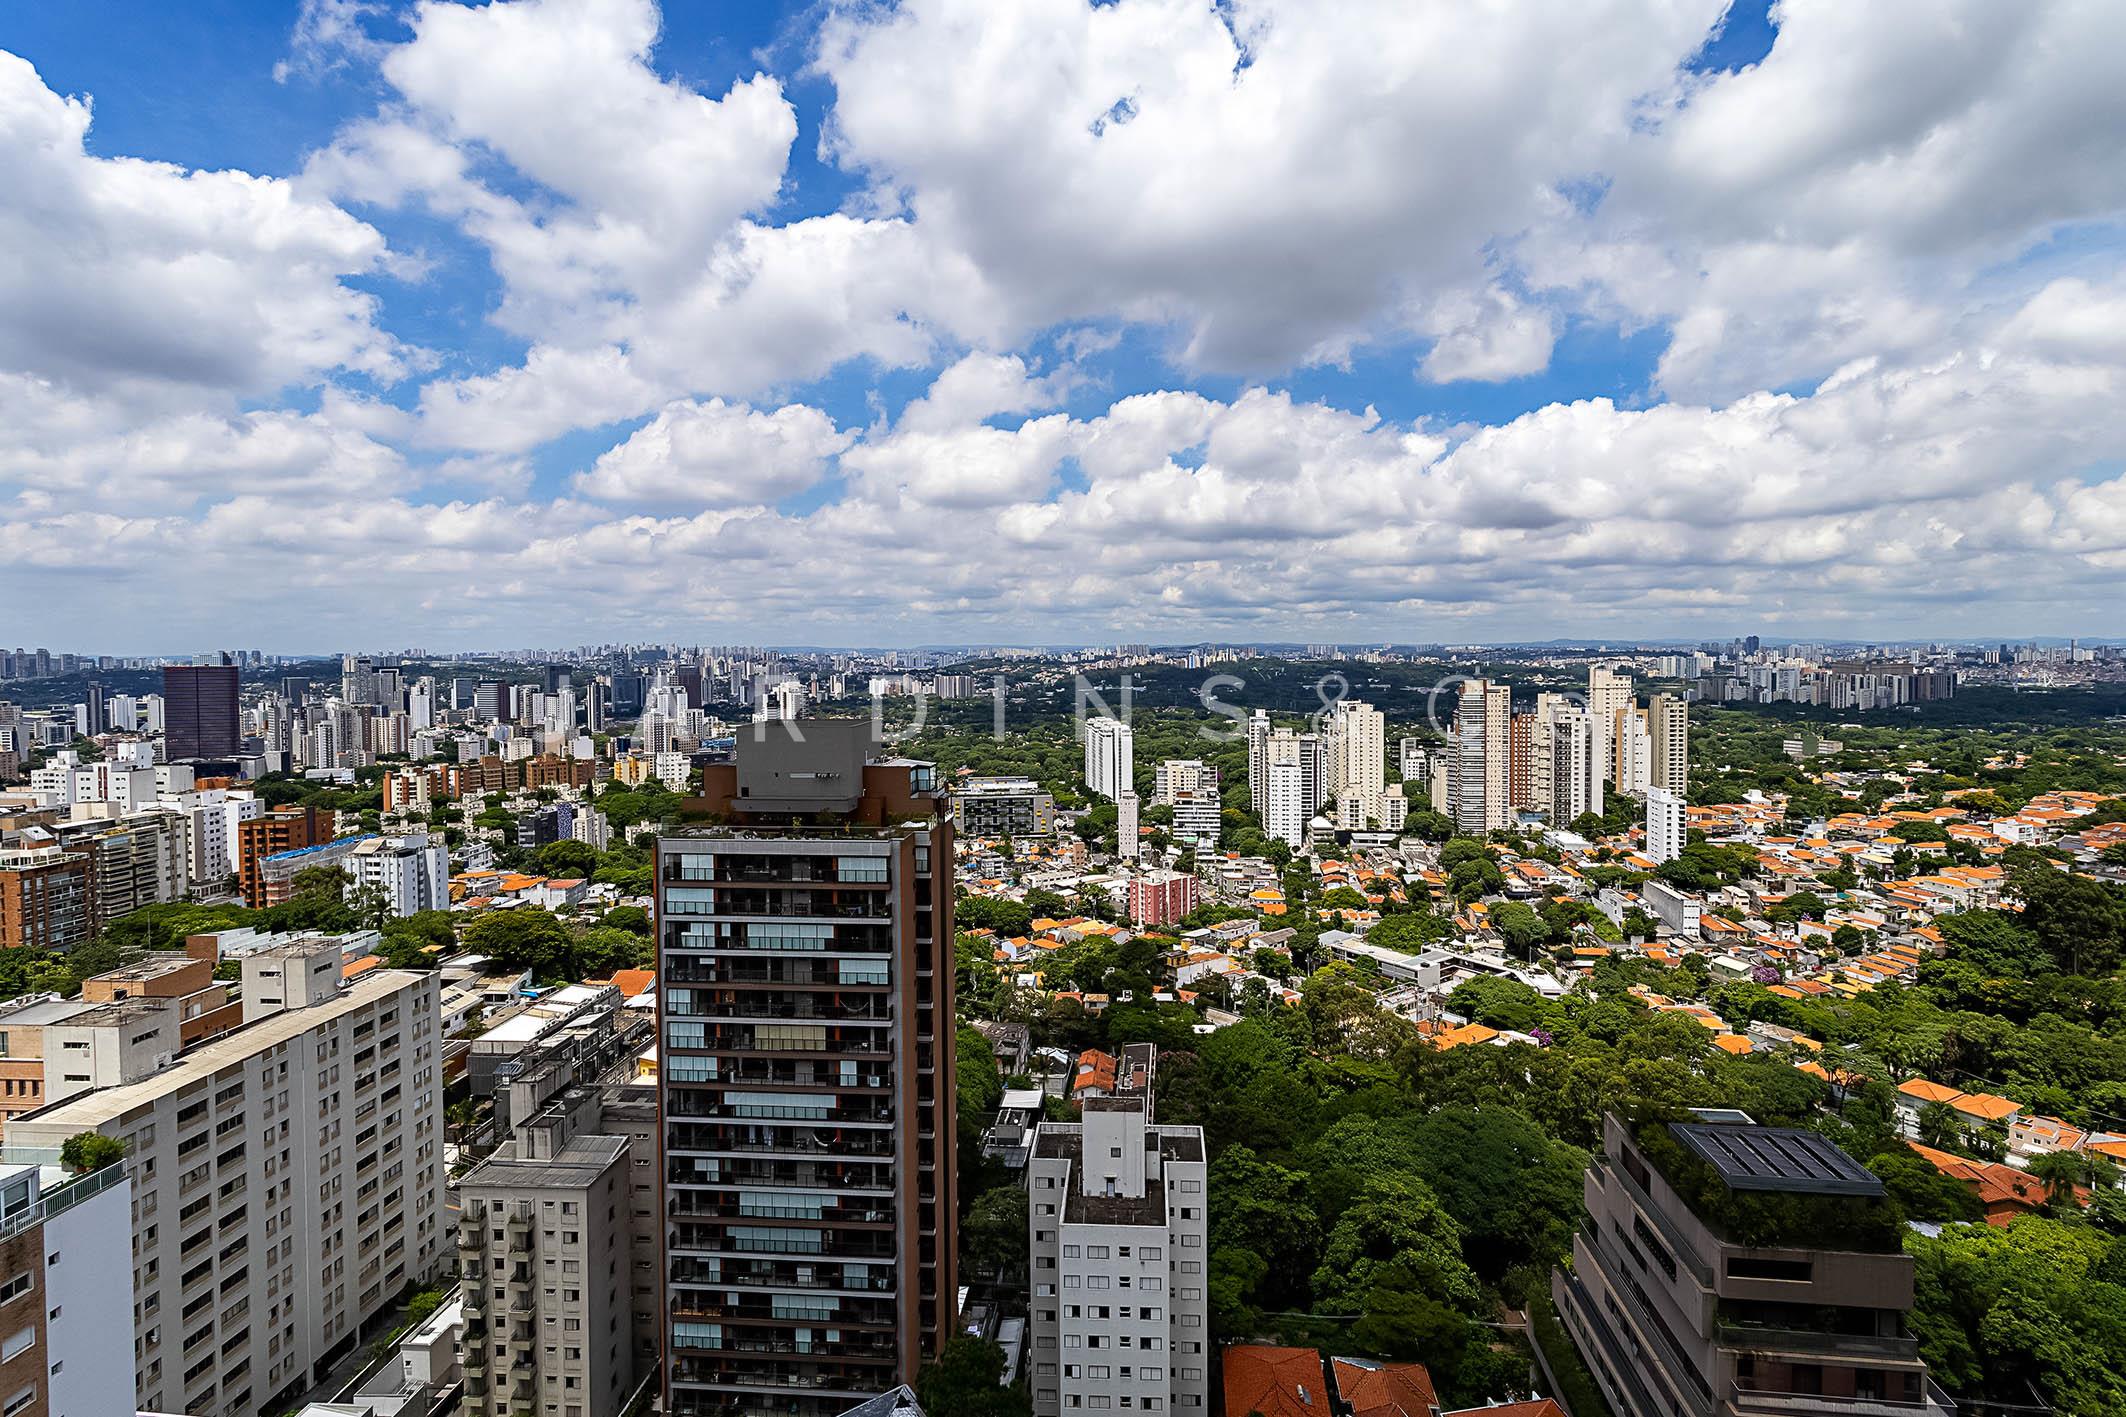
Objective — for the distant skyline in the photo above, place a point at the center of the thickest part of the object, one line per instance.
(362, 321)
(1286, 648)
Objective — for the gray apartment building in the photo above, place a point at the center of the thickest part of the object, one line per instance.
(1783, 1293)
(545, 1257)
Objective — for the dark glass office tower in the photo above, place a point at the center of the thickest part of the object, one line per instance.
(806, 1076)
(199, 712)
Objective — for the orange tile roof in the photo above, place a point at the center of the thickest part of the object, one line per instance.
(1985, 1106)
(1467, 1033)
(1733, 1043)
(1384, 1389)
(1095, 1070)
(355, 968)
(631, 982)
(1926, 1091)
(1274, 1382)
(2004, 1191)
(1539, 1407)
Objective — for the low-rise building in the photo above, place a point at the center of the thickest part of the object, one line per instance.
(1002, 806)
(1723, 1305)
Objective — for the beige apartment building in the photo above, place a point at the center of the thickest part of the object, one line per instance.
(287, 1178)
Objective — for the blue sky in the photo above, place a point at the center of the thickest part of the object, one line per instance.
(833, 322)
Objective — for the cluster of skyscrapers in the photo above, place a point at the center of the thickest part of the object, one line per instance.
(1340, 765)
(1560, 758)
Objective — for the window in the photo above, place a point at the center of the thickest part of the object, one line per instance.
(17, 1342)
(1758, 1267)
(20, 1401)
(15, 1287)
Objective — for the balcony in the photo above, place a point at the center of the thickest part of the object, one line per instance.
(694, 1273)
(707, 1139)
(864, 1177)
(698, 1106)
(826, 1245)
(1756, 1339)
(746, 1007)
(864, 1314)
(847, 1213)
(1933, 1403)
(863, 1042)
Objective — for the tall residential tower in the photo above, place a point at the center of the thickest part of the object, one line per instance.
(806, 1078)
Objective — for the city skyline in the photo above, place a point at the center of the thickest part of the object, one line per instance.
(713, 323)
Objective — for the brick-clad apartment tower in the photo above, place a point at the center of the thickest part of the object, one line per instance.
(805, 983)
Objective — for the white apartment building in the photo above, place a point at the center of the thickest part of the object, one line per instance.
(1199, 817)
(785, 701)
(64, 1262)
(1116, 1225)
(210, 818)
(1632, 754)
(1126, 844)
(672, 769)
(1355, 749)
(1110, 756)
(1258, 761)
(1285, 813)
(287, 1183)
(413, 871)
(1569, 768)
(590, 827)
(1665, 824)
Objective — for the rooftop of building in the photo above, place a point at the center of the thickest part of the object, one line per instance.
(576, 1165)
(41, 1012)
(1066, 1141)
(1374, 1389)
(1275, 1382)
(302, 947)
(92, 1110)
(1749, 1157)
(117, 1013)
(345, 843)
(143, 970)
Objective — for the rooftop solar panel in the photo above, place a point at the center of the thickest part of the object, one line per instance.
(1754, 1158)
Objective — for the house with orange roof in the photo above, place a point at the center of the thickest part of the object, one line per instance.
(1915, 1093)
(2037, 1135)
(2004, 1192)
(1984, 1107)
(1262, 1381)
(1534, 1407)
(1095, 1076)
(632, 983)
(1734, 1043)
(1467, 1034)
(1367, 1388)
